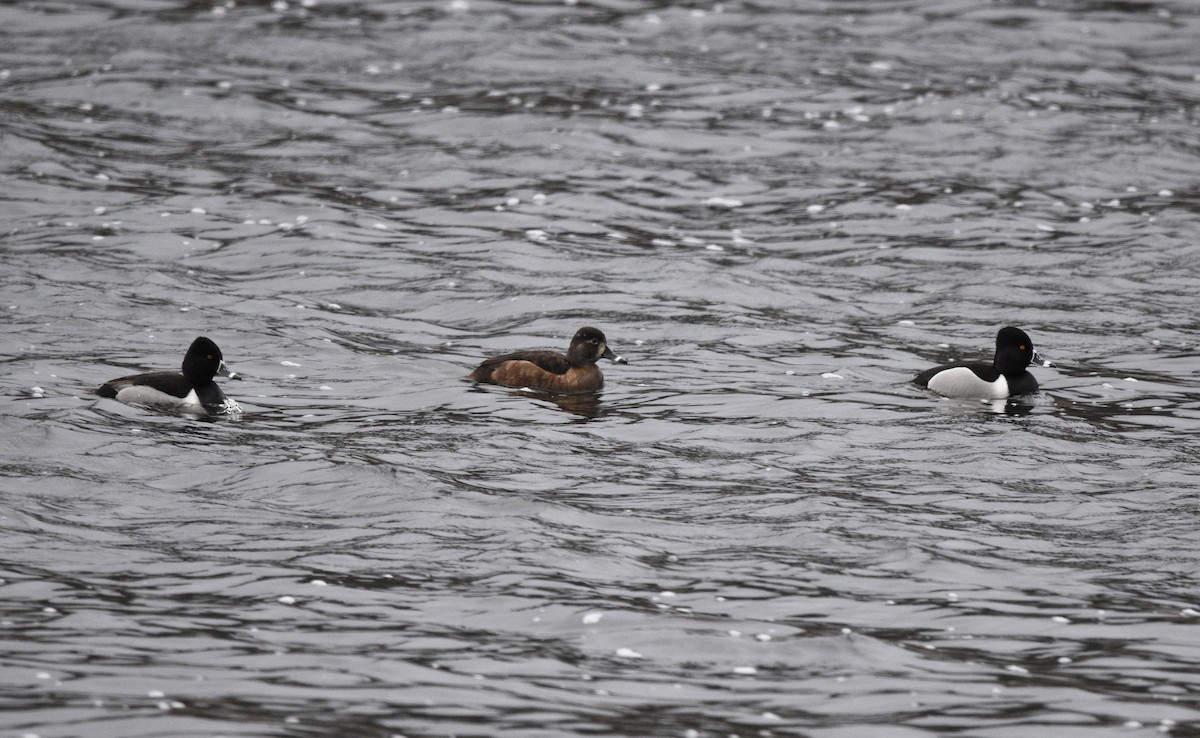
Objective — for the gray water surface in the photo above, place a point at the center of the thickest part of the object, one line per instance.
(779, 212)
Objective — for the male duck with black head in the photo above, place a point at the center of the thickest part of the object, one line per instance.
(190, 390)
(1006, 376)
(549, 371)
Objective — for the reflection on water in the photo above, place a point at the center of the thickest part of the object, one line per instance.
(760, 527)
(585, 406)
(1016, 406)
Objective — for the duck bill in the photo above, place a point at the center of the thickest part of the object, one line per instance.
(608, 354)
(1041, 361)
(224, 371)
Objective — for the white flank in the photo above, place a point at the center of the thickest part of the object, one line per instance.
(962, 382)
(143, 395)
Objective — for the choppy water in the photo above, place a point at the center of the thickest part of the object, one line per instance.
(778, 211)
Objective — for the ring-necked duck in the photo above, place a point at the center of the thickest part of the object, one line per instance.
(192, 389)
(1004, 377)
(550, 371)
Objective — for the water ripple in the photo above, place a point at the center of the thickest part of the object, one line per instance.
(778, 213)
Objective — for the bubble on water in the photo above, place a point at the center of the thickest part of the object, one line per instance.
(815, 208)
(628, 653)
(1060, 619)
(287, 600)
(288, 363)
(831, 375)
(535, 234)
(723, 202)
(1013, 668)
(592, 618)
(746, 670)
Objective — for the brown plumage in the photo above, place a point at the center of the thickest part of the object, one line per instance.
(550, 371)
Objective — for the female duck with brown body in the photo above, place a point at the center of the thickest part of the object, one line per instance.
(549, 371)
(191, 390)
(1005, 377)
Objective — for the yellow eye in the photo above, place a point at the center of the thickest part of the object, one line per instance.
(1022, 348)
(210, 356)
